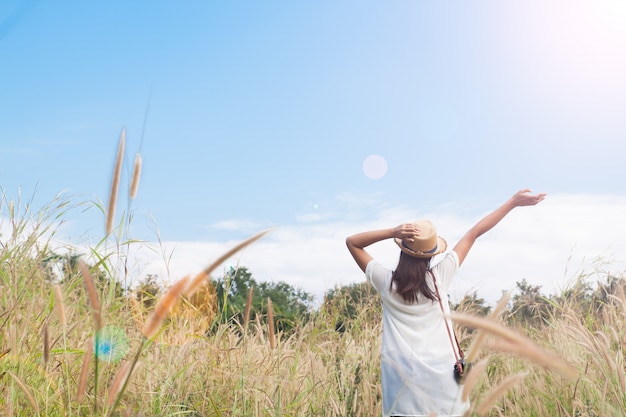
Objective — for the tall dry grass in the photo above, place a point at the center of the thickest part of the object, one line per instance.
(571, 365)
(314, 371)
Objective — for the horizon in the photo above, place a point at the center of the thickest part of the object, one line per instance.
(321, 262)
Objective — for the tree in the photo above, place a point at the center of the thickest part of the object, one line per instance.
(606, 291)
(346, 304)
(290, 305)
(529, 307)
(65, 269)
(232, 292)
(472, 304)
(148, 290)
(590, 301)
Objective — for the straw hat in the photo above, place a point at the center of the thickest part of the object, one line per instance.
(425, 245)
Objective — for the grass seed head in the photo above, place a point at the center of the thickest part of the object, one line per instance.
(58, 297)
(246, 311)
(82, 381)
(533, 353)
(134, 184)
(94, 301)
(490, 399)
(118, 381)
(117, 173)
(270, 322)
(472, 377)
(46, 345)
(25, 390)
(164, 307)
(200, 278)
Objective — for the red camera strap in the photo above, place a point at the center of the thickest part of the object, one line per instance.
(458, 355)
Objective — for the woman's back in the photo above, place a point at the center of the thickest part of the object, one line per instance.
(417, 356)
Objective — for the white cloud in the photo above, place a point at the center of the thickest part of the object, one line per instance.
(547, 245)
(235, 224)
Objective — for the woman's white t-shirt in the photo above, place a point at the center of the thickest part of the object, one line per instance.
(417, 359)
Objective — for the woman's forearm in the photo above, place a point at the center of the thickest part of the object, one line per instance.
(489, 221)
(357, 244)
(362, 240)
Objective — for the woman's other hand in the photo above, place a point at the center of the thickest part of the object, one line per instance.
(524, 198)
(406, 231)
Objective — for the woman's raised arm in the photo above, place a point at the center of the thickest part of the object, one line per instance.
(357, 243)
(521, 198)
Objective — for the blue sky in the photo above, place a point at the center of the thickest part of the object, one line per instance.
(251, 115)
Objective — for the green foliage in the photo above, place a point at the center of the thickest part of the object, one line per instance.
(64, 269)
(345, 304)
(529, 306)
(589, 300)
(472, 304)
(290, 305)
(148, 290)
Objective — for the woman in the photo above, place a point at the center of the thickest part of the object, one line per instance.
(417, 357)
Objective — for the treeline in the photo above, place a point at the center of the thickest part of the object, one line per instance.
(353, 306)
(236, 297)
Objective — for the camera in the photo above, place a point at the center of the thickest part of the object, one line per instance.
(459, 370)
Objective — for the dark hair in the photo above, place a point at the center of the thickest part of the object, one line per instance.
(409, 278)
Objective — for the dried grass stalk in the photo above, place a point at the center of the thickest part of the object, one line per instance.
(118, 381)
(516, 343)
(164, 307)
(196, 283)
(94, 301)
(46, 345)
(136, 310)
(82, 381)
(535, 354)
(25, 390)
(115, 183)
(475, 348)
(499, 308)
(134, 184)
(199, 279)
(495, 394)
(246, 311)
(603, 346)
(472, 377)
(619, 297)
(270, 322)
(58, 297)
(489, 326)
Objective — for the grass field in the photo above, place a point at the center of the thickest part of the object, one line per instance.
(82, 345)
(570, 364)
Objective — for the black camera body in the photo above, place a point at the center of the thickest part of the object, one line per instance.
(459, 371)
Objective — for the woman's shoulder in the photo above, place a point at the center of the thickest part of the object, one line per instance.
(448, 264)
(374, 267)
(377, 274)
(449, 257)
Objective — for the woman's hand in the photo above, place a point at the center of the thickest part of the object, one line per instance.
(406, 231)
(523, 198)
(520, 198)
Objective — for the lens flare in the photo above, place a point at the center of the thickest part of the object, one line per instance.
(375, 167)
(111, 344)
